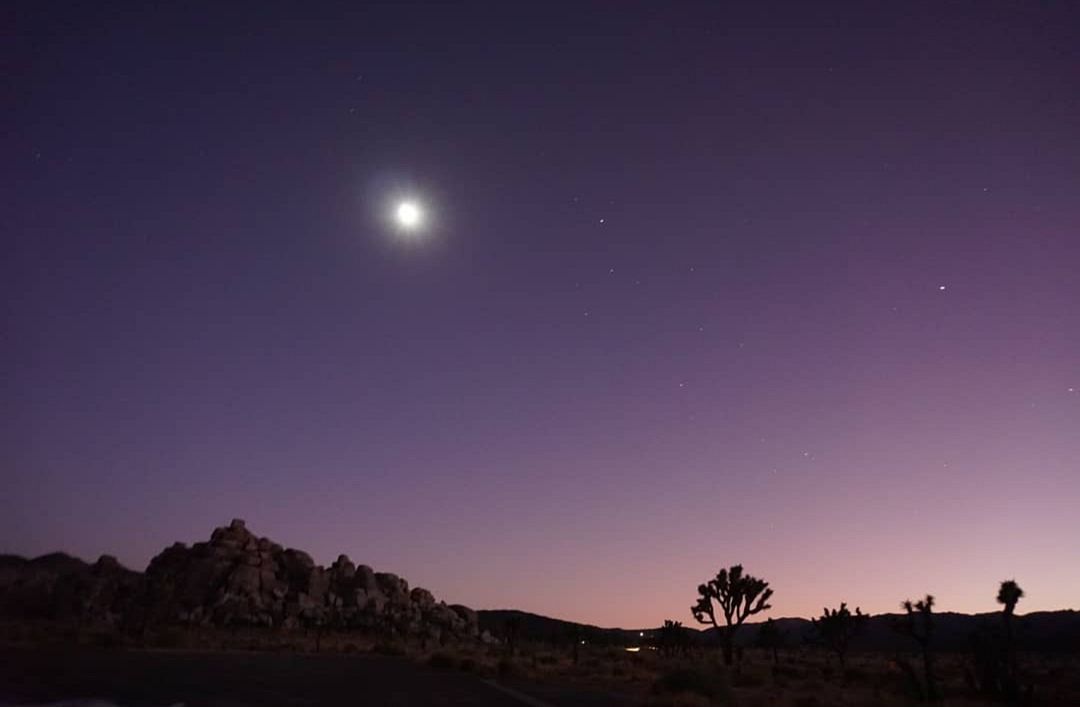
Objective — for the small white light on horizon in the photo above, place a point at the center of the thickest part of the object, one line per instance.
(941, 287)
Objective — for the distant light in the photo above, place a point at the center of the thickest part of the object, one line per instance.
(583, 643)
(633, 649)
(641, 633)
(941, 287)
(409, 215)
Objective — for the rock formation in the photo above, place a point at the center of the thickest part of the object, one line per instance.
(234, 579)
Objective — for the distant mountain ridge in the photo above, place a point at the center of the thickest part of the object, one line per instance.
(1057, 631)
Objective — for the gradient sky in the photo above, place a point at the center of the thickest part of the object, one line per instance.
(794, 285)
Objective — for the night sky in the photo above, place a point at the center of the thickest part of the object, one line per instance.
(794, 285)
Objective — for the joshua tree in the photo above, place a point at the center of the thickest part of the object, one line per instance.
(996, 671)
(739, 596)
(1008, 595)
(837, 627)
(918, 623)
(511, 631)
(772, 639)
(672, 639)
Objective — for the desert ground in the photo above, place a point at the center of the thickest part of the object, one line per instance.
(243, 671)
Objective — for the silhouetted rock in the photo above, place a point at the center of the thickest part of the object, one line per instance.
(234, 579)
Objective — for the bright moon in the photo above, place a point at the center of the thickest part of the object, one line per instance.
(409, 215)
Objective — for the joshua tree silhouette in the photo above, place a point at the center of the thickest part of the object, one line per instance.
(1008, 595)
(918, 623)
(837, 627)
(672, 639)
(739, 596)
(771, 638)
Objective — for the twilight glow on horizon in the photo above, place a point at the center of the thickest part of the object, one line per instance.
(792, 285)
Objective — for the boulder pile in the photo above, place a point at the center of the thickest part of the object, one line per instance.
(234, 579)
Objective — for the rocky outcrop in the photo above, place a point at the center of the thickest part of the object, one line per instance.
(61, 587)
(234, 579)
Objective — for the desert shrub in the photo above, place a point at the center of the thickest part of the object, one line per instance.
(745, 678)
(169, 638)
(681, 699)
(507, 668)
(709, 683)
(789, 671)
(856, 675)
(389, 647)
(107, 640)
(443, 661)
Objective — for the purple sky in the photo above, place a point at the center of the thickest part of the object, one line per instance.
(796, 286)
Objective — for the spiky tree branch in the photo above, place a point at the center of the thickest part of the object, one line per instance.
(837, 627)
(738, 597)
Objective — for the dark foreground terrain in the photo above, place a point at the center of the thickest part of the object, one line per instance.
(163, 678)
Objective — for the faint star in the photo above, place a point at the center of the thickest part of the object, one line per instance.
(601, 220)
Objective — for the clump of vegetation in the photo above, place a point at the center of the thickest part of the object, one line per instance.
(507, 668)
(835, 629)
(672, 639)
(918, 623)
(702, 681)
(443, 661)
(390, 647)
(772, 639)
(739, 596)
(996, 670)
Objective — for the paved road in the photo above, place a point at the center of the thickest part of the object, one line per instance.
(159, 679)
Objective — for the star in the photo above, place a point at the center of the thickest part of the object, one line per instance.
(409, 215)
